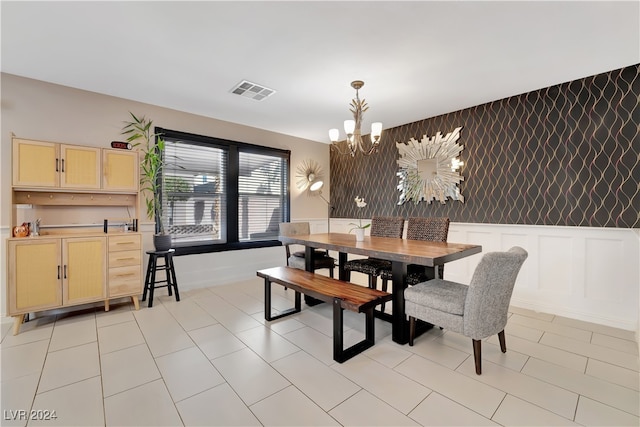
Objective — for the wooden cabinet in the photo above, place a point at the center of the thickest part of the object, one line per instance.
(125, 265)
(120, 170)
(70, 264)
(36, 163)
(53, 272)
(79, 167)
(83, 270)
(53, 165)
(35, 274)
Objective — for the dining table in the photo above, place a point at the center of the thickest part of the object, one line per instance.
(401, 253)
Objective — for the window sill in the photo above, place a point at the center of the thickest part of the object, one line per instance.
(223, 247)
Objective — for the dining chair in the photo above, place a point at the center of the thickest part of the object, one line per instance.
(432, 229)
(381, 226)
(476, 311)
(297, 259)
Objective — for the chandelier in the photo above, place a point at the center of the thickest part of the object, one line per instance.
(352, 129)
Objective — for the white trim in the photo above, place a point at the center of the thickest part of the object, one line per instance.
(585, 273)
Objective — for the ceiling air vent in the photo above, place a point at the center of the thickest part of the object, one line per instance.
(252, 90)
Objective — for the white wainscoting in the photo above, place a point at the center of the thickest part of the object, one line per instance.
(585, 273)
(591, 274)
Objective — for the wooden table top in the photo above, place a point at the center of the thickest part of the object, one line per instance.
(404, 250)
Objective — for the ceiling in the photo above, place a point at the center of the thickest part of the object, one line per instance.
(417, 59)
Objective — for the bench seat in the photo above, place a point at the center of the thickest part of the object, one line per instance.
(342, 295)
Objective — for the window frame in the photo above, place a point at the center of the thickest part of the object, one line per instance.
(232, 195)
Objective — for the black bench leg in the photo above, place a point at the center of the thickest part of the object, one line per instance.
(370, 326)
(340, 354)
(267, 303)
(338, 338)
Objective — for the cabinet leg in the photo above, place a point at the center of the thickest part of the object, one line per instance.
(106, 305)
(17, 321)
(136, 302)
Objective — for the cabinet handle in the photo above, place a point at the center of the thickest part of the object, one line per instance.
(123, 275)
(62, 165)
(58, 272)
(65, 271)
(57, 160)
(124, 259)
(124, 243)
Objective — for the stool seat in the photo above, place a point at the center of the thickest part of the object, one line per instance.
(150, 282)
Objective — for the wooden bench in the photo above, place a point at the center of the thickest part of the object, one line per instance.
(343, 295)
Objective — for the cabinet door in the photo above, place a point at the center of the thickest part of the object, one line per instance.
(79, 167)
(35, 163)
(34, 279)
(120, 170)
(84, 269)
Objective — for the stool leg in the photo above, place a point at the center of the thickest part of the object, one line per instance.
(174, 282)
(152, 285)
(147, 278)
(167, 263)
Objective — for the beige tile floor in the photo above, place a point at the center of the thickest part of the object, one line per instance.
(211, 359)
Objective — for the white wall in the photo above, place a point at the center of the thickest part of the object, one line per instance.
(33, 109)
(591, 274)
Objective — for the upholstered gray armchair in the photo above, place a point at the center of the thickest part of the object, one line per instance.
(381, 226)
(475, 311)
(297, 259)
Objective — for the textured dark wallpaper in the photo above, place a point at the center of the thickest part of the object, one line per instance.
(565, 155)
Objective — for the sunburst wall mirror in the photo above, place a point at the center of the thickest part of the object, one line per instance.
(429, 168)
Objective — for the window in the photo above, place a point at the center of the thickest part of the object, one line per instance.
(222, 195)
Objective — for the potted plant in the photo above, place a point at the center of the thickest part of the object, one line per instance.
(139, 132)
(360, 203)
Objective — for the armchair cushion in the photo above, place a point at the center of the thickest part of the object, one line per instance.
(439, 294)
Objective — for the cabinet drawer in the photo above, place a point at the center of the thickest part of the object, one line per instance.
(124, 258)
(124, 281)
(126, 242)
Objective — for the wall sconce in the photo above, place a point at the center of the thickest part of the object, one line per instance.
(309, 177)
(456, 164)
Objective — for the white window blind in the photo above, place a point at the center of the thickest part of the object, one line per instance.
(262, 195)
(193, 193)
(220, 195)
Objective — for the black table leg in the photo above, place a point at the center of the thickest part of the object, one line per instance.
(400, 325)
(309, 263)
(342, 260)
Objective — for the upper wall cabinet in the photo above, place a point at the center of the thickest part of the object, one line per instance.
(52, 165)
(120, 170)
(79, 167)
(36, 163)
(40, 164)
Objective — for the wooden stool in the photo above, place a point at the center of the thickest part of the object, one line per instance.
(150, 282)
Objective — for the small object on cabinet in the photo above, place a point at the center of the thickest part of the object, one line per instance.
(21, 230)
(121, 145)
